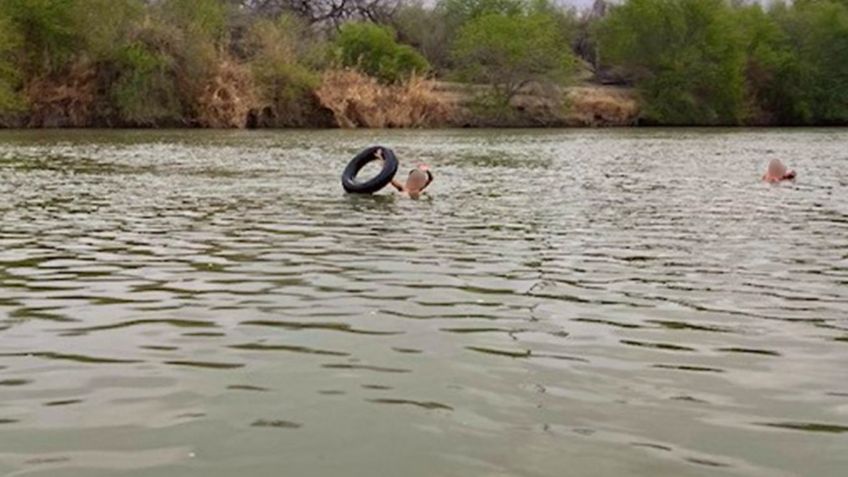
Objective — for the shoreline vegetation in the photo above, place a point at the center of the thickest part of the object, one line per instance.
(414, 64)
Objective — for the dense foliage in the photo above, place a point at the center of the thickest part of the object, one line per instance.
(509, 51)
(685, 55)
(231, 62)
(717, 62)
(9, 78)
(374, 50)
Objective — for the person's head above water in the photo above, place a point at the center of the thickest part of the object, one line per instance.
(777, 172)
(418, 179)
(776, 168)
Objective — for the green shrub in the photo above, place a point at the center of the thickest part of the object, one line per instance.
(797, 62)
(686, 57)
(192, 33)
(105, 26)
(426, 30)
(458, 13)
(10, 100)
(772, 71)
(145, 93)
(461, 12)
(199, 19)
(374, 50)
(509, 51)
(818, 34)
(405, 61)
(46, 29)
(281, 77)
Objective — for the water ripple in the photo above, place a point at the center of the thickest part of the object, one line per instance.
(603, 301)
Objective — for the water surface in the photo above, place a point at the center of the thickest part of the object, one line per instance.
(593, 303)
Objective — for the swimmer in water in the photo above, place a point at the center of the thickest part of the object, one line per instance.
(777, 172)
(418, 179)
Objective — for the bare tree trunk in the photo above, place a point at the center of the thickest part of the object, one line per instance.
(332, 12)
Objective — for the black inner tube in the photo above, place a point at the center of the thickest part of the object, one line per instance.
(390, 167)
(429, 179)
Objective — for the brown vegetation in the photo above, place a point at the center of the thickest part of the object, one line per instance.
(202, 63)
(227, 98)
(534, 105)
(344, 98)
(301, 112)
(602, 106)
(65, 100)
(357, 100)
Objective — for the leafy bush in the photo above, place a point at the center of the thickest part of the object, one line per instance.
(10, 100)
(817, 76)
(199, 19)
(772, 71)
(206, 62)
(458, 13)
(461, 12)
(145, 93)
(189, 36)
(374, 50)
(105, 26)
(46, 28)
(686, 57)
(426, 30)
(280, 59)
(509, 51)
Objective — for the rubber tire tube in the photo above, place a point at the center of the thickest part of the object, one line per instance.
(390, 167)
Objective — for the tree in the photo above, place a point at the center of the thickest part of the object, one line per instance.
(281, 70)
(105, 26)
(144, 92)
(46, 28)
(10, 100)
(464, 11)
(458, 13)
(818, 32)
(772, 69)
(508, 51)
(332, 12)
(374, 50)
(686, 57)
(797, 62)
(425, 29)
(200, 20)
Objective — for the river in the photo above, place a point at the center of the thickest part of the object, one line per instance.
(579, 302)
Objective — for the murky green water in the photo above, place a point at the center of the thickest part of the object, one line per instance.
(587, 303)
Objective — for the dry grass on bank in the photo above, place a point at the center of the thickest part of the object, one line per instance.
(601, 106)
(586, 105)
(227, 98)
(344, 98)
(63, 101)
(358, 101)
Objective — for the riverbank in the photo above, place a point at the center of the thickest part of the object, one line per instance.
(392, 64)
(343, 99)
(583, 105)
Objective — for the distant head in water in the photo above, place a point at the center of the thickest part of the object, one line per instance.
(777, 172)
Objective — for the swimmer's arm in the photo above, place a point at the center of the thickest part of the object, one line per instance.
(379, 154)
